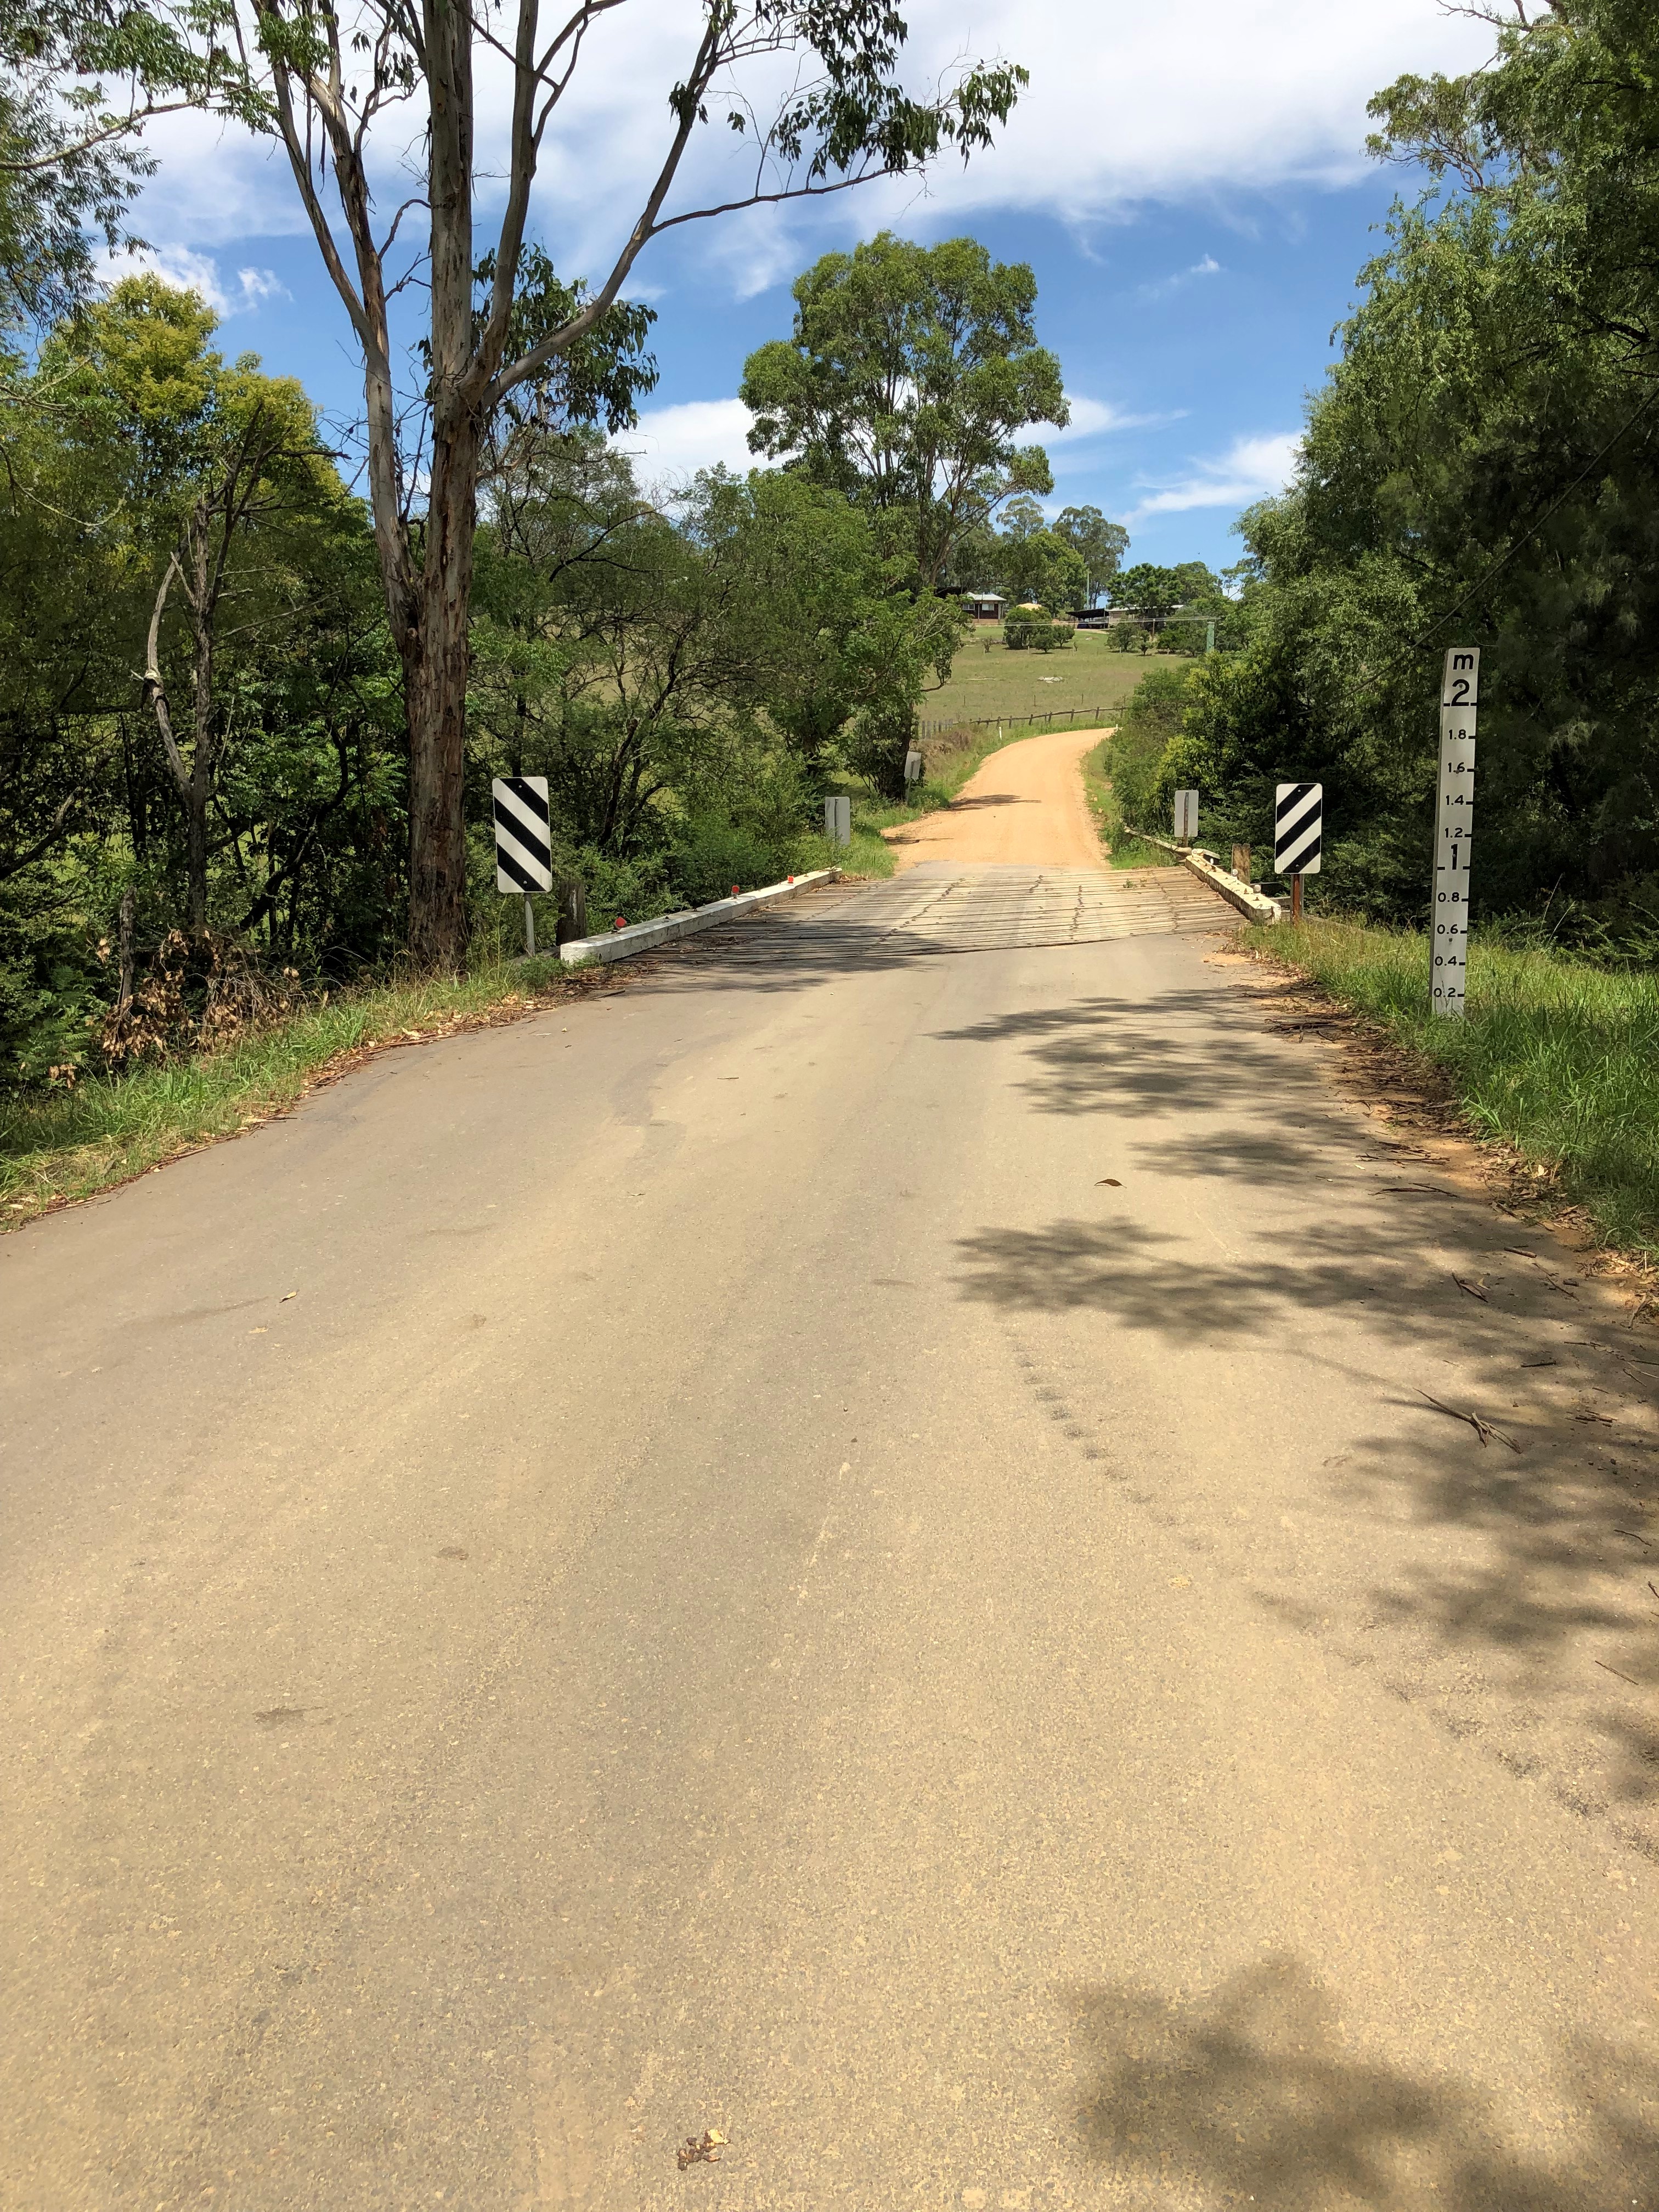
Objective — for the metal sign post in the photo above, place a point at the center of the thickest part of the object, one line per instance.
(1454, 831)
(1298, 835)
(524, 845)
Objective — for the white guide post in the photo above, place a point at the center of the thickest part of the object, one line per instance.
(1454, 830)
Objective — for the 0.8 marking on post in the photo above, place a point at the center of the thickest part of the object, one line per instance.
(1454, 830)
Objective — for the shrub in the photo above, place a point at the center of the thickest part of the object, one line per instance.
(1134, 754)
(712, 855)
(1039, 635)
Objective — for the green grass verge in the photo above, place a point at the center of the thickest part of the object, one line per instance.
(1556, 1057)
(70, 1144)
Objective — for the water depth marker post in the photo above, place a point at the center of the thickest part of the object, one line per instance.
(1454, 830)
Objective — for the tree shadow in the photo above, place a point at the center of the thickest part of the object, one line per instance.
(1525, 1556)
(1255, 2097)
(1105, 1055)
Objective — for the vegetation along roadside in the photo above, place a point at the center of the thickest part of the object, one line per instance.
(1557, 1060)
(72, 1141)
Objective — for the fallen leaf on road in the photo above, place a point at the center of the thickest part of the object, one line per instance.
(706, 2147)
(1111, 1182)
(1474, 1290)
(1541, 1363)
(286, 1296)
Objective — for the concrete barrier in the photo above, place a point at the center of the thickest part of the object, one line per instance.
(664, 928)
(1207, 867)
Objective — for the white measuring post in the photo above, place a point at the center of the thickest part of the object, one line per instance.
(1186, 817)
(1454, 831)
(524, 843)
(915, 765)
(838, 818)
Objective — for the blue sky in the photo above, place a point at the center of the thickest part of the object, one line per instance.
(1191, 191)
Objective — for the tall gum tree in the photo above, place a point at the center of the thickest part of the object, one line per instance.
(911, 373)
(328, 81)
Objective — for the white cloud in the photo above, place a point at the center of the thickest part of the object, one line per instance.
(1250, 469)
(1093, 418)
(1202, 100)
(190, 271)
(1209, 266)
(673, 443)
(670, 443)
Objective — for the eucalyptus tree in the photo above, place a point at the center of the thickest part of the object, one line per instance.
(910, 376)
(1099, 545)
(335, 85)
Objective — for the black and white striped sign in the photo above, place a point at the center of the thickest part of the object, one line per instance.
(524, 850)
(1298, 825)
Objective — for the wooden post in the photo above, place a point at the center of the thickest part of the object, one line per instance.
(1296, 898)
(573, 910)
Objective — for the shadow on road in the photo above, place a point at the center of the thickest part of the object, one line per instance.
(1107, 1056)
(1256, 2097)
(1512, 1582)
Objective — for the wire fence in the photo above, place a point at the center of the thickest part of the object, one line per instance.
(1101, 715)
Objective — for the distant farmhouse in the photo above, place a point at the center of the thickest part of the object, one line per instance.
(984, 606)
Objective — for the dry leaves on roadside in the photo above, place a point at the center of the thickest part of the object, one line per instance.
(701, 2149)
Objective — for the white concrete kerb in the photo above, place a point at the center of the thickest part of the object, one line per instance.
(664, 928)
(1208, 870)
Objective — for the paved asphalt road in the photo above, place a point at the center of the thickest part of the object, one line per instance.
(840, 1545)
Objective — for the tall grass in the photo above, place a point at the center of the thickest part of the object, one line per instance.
(68, 1144)
(1558, 1057)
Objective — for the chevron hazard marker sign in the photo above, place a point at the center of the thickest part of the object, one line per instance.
(524, 850)
(1298, 823)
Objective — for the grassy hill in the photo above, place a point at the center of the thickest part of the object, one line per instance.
(988, 680)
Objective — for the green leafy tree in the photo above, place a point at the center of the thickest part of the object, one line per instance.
(910, 376)
(1150, 591)
(78, 84)
(1482, 465)
(115, 437)
(1040, 565)
(1101, 546)
(339, 84)
(207, 456)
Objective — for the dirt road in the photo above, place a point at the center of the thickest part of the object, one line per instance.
(1025, 805)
